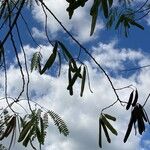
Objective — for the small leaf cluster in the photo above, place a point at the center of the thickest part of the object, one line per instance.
(105, 5)
(122, 15)
(29, 128)
(74, 4)
(74, 72)
(127, 21)
(7, 127)
(59, 123)
(138, 119)
(106, 125)
(36, 60)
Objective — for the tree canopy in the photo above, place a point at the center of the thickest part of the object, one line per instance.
(123, 15)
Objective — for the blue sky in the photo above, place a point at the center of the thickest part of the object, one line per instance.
(112, 50)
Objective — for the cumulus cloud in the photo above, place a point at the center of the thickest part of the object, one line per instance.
(109, 56)
(82, 114)
(79, 25)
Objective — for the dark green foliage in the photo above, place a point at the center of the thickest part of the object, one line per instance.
(74, 4)
(31, 127)
(94, 14)
(35, 62)
(126, 21)
(59, 123)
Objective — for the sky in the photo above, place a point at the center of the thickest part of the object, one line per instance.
(111, 49)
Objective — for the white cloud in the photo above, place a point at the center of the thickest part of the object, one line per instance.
(38, 34)
(114, 58)
(81, 114)
(79, 24)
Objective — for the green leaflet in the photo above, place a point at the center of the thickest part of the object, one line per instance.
(105, 8)
(51, 59)
(109, 126)
(38, 134)
(28, 137)
(83, 81)
(10, 126)
(25, 130)
(94, 14)
(35, 61)
(59, 123)
(42, 130)
(110, 117)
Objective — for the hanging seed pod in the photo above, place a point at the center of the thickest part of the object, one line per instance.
(135, 98)
(130, 100)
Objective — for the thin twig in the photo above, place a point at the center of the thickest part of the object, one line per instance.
(26, 67)
(14, 22)
(16, 53)
(146, 100)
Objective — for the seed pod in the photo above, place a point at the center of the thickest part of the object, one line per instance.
(110, 117)
(142, 113)
(100, 134)
(130, 101)
(132, 121)
(69, 79)
(83, 81)
(141, 125)
(109, 126)
(135, 98)
(106, 132)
